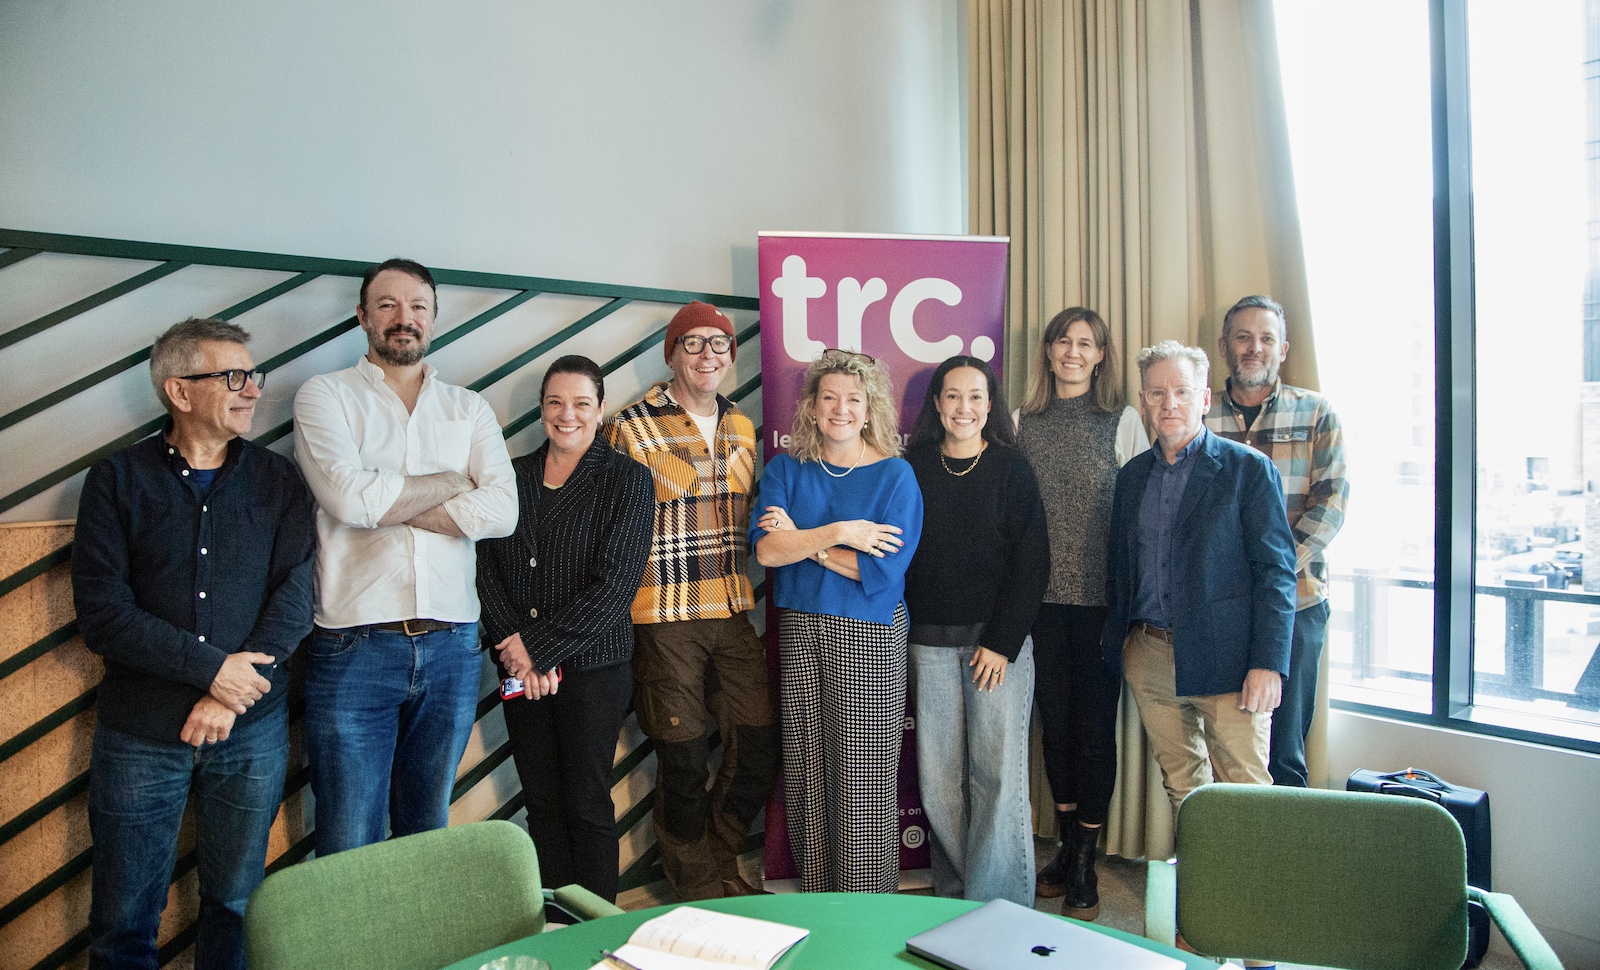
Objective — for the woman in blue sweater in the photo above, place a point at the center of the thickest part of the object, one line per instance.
(973, 589)
(839, 519)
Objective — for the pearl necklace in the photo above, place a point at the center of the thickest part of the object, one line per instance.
(975, 460)
(852, 468)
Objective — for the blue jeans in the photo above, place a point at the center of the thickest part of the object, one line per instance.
(387, 720)
(137, 791)
(972, 760)
(1292, 720)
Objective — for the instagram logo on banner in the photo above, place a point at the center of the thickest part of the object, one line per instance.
(795, 289)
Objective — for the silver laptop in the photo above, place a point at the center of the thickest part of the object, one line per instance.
(1001, 935)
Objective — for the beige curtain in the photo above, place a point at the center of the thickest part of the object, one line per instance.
(1136, 153)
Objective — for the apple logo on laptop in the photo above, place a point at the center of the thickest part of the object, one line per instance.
(1043, 951)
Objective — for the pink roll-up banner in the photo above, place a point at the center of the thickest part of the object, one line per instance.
(909, 301)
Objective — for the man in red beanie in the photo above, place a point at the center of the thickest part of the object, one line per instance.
(690, 614)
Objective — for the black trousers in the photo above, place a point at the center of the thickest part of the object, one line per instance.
(564, 746)
(1077, 696)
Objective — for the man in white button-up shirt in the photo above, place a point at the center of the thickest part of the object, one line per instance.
(408, 472)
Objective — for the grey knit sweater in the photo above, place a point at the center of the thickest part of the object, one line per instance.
(1072, 447)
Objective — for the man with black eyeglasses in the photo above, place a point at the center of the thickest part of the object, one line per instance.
(1200, 587)
(696, 655)
(191, 574)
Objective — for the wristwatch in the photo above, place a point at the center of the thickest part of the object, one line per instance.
(822, 556)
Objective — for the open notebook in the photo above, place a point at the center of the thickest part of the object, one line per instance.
(1001, 935)
(690, 938)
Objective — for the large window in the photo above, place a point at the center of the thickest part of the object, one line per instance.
(1449, 186)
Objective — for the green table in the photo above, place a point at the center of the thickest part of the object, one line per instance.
(848, 930)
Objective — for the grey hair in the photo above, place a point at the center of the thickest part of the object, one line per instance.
(1257, 302)
(1199, 363)
(177, 352)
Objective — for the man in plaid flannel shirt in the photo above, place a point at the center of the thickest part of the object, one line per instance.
(696, 654)
(1298, 430)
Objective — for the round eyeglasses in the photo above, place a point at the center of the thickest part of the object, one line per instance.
(694, 343)
(1181, 396)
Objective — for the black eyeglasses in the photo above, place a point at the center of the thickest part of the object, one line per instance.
(235, 377)
(694, 343)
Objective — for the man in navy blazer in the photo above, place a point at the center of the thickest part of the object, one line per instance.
(1200, 585)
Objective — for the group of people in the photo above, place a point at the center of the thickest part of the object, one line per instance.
(599, 571)
(1004, 559)
(1045, 556)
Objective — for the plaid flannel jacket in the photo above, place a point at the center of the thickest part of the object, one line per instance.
(1298, 430)
(698, 553)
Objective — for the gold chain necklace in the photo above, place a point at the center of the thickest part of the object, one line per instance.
(975, 459)
(852, 468)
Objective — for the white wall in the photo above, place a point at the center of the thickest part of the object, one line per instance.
(639, 143)
(635, 142)
(1543, 802)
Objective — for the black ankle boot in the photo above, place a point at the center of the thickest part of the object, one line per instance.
(1082, 885)
(1053, 877)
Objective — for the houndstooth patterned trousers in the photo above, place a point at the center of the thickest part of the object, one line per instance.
(843, 704)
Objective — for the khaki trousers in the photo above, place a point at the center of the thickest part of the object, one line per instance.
(1196, 740)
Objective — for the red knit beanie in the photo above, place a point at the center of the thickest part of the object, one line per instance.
(696, 314)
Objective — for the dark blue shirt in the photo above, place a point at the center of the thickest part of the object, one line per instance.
(1158, 513)
(169, 578)
(205, 478)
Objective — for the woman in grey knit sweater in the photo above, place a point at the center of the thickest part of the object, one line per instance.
(1077, 432)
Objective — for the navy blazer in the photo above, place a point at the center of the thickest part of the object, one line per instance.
(1232, 570)
(566, 578)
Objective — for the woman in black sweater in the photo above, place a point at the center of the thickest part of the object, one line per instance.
(556, 597)
(972, 591)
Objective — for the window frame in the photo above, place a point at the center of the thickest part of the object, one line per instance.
(1455, 458)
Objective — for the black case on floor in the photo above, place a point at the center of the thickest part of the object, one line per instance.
(1470, 808)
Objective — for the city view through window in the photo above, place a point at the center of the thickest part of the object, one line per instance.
(1357, 90)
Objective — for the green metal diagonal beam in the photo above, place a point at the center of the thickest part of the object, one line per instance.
(88, 303)
(140, 356)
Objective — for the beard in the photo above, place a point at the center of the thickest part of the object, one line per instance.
(1252, 373)
(398, 356)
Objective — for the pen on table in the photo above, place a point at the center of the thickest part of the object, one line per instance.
(625, 965)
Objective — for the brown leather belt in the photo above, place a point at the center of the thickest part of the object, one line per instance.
(1159, 633)
(413, 628)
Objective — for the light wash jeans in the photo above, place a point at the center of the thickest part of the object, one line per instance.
(972, 759)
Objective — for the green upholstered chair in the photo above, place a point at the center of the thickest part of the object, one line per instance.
(413, 903)
(1328, 878)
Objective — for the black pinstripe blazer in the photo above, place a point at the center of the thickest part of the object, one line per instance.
(566, 578)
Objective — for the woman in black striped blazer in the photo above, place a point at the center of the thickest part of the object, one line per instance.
(556, 596)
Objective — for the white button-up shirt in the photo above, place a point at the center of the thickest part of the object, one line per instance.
(356, 445)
